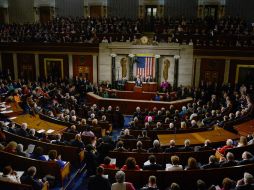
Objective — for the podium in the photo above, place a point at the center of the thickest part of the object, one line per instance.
(146, 86)
(137, 89)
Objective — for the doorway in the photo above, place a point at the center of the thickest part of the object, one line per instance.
(53, 68)
(211, 11)
(150, 15)
(44, 14)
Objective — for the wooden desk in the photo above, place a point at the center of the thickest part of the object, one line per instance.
(128, 106)
(138, 89)
(216, 136)
(37, 124)
(146, 86)
(149, 86)
(129, 85)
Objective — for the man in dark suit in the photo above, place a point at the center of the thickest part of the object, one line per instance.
(187, 147)
(153, 165)
(247, 183)
(149, 79)
(247, 158)
(207, 146)
(97, 181)
(172, 147)
(23, 130)
(28, 178)
(212, 163)
(230, 161)
(118, 119)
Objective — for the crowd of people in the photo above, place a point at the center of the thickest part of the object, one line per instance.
(67, 30)
(213, 104)
(224, 32)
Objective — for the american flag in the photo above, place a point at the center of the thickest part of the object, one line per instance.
(145, 66)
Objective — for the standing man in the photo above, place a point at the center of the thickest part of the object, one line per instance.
(97, 181)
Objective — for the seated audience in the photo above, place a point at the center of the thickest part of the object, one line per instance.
(247, 183)
(139, 148)
(201, 185)
(229, 145)
(152, 184)
(192, 164)
(151, 164)
(247, 158)
(126, 135)
(130, 164)
(228, 184)
(207, 146)
(58, 140)
(77, 142)
(230, 161)
(32, 134)
(174, 186)
(20, 151)
(106, 163)
(23, 131)
(213, 163)
(242, 142)
(38, 154)
(98, 181)
(9, 175)
(172, 147)
(174, 166)
(53, 157)
(156, 147)
(120, 182)
(29, 178)
(72, 129)
(11, 147)
(143, 136)
(120, 147)
(187, 147)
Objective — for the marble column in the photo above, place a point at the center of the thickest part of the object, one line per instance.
(15, 65)
(95, 69)
(226, 72)
(197, 72)
(131, 63)
(157, 67)
(70, 60)
(176, 71)
(37, 67)
(113, 68)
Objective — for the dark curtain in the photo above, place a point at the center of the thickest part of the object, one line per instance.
(123, 8)
(177, 8)
(73, 8)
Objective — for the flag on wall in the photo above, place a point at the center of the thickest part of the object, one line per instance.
(145, 66)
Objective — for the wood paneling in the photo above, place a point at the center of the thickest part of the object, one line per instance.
(95, 11)
(129, 106)
(212, 70)
(50, 56)
(233, 65)
(51, 47)
(83, 65)
(26, 66)
(7, 64)
(44, 14)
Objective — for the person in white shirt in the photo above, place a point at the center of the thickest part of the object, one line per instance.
(9, 175)
(174, 166)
